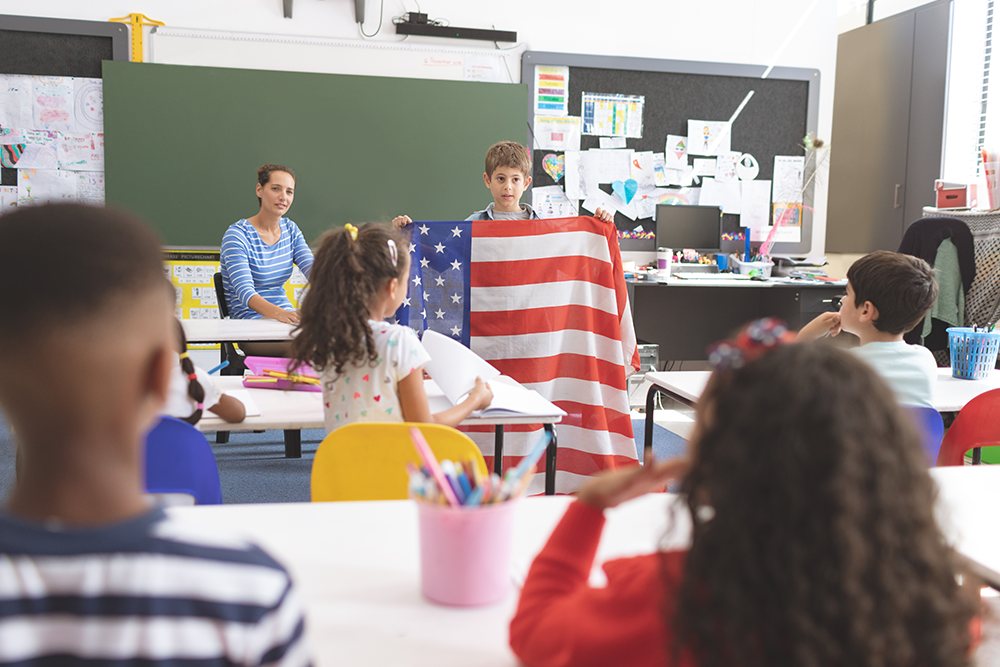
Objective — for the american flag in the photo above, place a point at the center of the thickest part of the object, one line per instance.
(545, 302)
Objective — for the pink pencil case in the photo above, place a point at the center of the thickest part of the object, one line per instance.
(259, 380)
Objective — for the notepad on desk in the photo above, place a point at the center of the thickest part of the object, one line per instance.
(454, 369)
(712, 277)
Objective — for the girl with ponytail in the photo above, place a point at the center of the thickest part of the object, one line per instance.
(371, 370)
(192, 391)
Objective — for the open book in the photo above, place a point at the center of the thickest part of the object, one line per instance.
(454, 368)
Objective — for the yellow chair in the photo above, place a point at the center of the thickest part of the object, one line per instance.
(367, 461)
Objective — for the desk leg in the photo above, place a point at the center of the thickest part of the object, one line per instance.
(550, 460)
(977, 455)
(221, 437)
(647, 443)
(498, 450)
(293, 444)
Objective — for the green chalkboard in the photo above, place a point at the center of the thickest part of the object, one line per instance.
(182, 145)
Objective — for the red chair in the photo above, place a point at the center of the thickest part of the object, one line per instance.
(977, 425)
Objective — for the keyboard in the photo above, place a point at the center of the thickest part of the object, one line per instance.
(693, 275)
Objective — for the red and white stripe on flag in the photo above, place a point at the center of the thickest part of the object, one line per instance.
(549, 307)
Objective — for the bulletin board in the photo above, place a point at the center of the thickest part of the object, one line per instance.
(51, 108)
(774, 121)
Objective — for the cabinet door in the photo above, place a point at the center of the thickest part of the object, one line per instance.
(868, 147)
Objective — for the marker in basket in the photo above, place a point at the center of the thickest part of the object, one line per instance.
(427, 456)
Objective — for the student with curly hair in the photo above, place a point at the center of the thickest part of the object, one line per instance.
(371, 370)
(813, 538)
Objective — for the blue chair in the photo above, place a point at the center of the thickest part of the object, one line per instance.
(931, 430)
(179, 460)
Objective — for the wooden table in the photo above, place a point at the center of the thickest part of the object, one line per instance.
(950, 393)
(292, 411)
(357, 566)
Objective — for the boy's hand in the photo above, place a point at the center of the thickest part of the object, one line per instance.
(827, 324)
(481, 395)
(401, 221)
(604, 216)
(614, 487)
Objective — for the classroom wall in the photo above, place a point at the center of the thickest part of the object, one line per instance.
(794, 33)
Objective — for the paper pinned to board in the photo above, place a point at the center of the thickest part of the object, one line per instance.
(611, 142)
(90, 186)
(551, 90)
(788, 170)
(755, 208)
(659, 171)
(88, 105)
(676, 152)
(601, 199)
(550, 201)
(606, 166)
(704, 166)
(708, 137)
(724, 194)
(81, 152)
(16, 108)
(53, 100)
(557, 133)
(575, 188)
(612, 115)
(726, 164)
(40, 185)
(642, 169)
(8, 197)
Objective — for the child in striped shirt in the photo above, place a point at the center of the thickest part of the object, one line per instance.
(89, 571)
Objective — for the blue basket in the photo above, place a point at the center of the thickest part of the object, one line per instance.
(973, 353)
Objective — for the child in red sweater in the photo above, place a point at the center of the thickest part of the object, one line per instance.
(813, 539)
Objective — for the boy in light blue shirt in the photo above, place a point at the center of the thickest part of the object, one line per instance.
(888, 293)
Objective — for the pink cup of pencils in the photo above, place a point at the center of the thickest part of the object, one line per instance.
(465, 553)
(465, 521)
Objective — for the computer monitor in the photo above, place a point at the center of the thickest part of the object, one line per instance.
(697, 227)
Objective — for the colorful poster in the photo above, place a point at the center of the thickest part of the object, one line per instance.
(708, 137)
(613, 115)
(551, 90)
(39, 150)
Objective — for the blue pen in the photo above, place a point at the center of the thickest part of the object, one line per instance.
(218, 368)
(463, 482)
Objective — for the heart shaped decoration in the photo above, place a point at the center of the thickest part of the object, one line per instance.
(555, 166)
(625, 190)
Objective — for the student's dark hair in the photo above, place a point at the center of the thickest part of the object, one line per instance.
(264, 172)
(345, 277)
(902, 287)
(96, 260)
(195, 391)
(814, 540)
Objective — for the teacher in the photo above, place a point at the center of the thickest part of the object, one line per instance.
(258, 252)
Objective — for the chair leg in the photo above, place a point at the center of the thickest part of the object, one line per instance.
(222, 437)
(293, 444)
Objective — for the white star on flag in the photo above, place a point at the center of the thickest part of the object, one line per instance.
(456, 231)
(416, 280)
(406, 301)
(439, 248)
(424, 262)
(423, 313)
(439, 314)
(456, 265)
(456, 331)
(413, 248)
(440, 281)
(424, 229)
(456, 298)
(426, 296)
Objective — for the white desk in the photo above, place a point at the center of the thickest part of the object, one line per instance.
(292, 411)
(236, 331)
(357, 566)
(950, 394)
